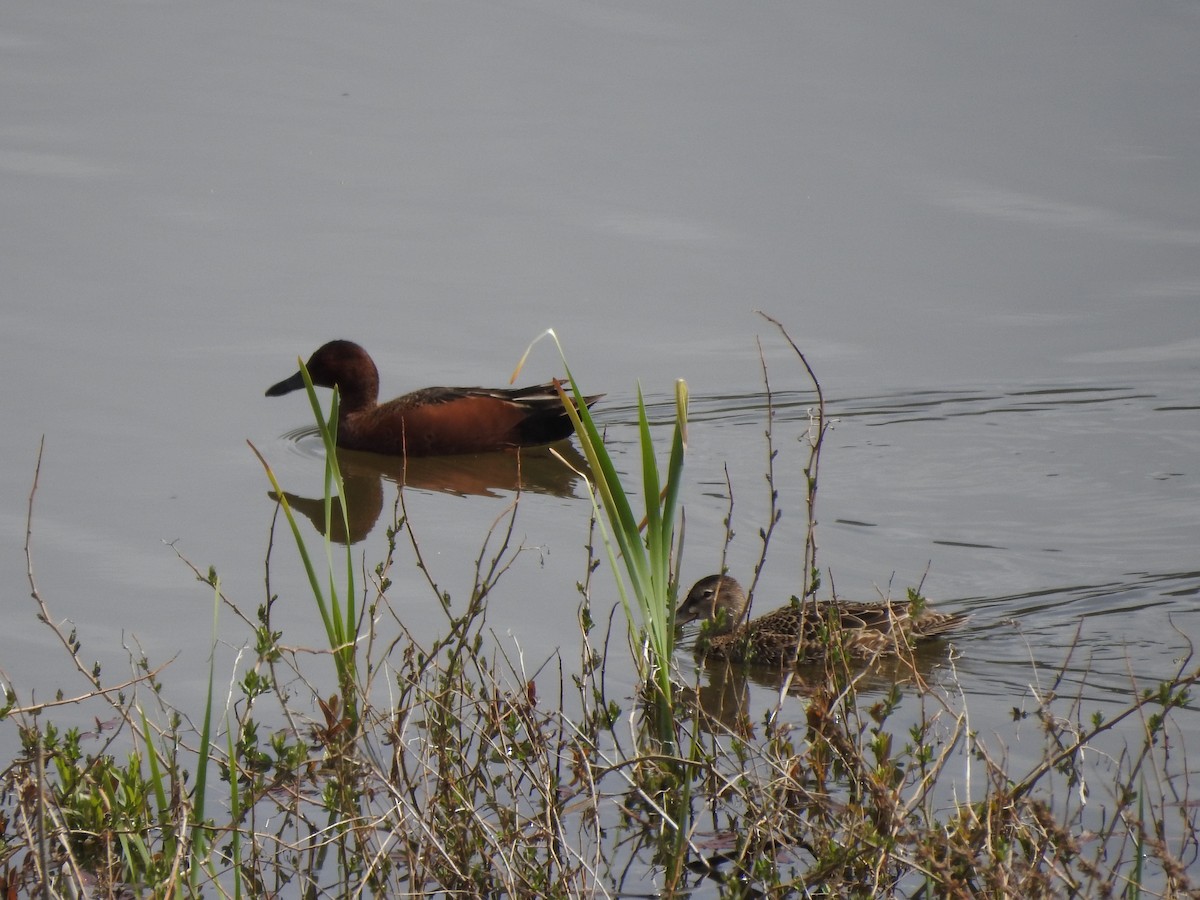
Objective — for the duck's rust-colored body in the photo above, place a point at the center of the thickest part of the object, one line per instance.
(435, 421)
(802, 633)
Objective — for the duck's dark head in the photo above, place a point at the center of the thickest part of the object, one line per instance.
(341, 364)
(718, 599)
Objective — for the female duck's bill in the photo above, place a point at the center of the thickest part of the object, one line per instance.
(436, 421)
(802, 633)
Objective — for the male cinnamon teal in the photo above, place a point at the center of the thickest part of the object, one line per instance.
(435, 421)
(868, 629)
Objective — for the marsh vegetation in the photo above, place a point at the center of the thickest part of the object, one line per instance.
(387, 764)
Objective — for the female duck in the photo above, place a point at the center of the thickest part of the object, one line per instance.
(436, 421)
(802, 633)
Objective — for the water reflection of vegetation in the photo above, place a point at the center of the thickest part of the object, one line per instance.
(439, 767)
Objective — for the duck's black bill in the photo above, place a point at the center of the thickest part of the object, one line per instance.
(295, 383)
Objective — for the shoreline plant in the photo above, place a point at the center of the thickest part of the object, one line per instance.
(646, 548)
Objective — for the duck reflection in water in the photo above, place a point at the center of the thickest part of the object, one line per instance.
(532, 470)
(725, 690)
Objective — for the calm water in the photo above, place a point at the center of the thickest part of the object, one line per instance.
(981, 225)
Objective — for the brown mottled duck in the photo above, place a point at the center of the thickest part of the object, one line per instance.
(802, 632)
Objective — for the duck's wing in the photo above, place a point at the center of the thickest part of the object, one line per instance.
(887, 618)
(533, 397)
(881, 617)
(931, 624)
(444, 420)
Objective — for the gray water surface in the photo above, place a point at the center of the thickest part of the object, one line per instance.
(981, 224)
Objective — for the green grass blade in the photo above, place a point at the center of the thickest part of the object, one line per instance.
(235, 812)
(650, 486)
(334, 486)
(647, 558)
(339, 617)
(330, 628)
(606, 480)
(156, 777)
(203, 759)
